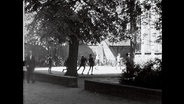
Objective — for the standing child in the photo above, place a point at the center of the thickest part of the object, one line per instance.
(50, 65)
(91, 64)
(83, 63)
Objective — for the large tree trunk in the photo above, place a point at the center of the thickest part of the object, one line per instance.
(132, 52)
(133, 43)
(132, 30)
(72, 57)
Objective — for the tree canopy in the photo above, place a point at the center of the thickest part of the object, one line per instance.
(60, 20)
(87, 20)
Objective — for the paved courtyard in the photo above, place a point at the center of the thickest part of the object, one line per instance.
(47, 93)
(96, 70)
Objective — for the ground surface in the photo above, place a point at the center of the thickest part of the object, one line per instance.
(46, 93)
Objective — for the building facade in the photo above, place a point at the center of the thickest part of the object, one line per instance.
(147, 38)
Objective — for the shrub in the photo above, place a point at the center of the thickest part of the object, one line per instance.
(43, 62)
(149, 75)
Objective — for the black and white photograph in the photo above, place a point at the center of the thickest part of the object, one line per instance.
(92, 52)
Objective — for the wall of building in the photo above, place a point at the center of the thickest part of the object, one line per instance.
(143, 58)
(150, 48)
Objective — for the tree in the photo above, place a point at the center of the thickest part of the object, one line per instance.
(155, 6)
(131, 12)
(73, 21)
(137, 9)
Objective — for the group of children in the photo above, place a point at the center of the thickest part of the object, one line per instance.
(83, 63)
(90, 61)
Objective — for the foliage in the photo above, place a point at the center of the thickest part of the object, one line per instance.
(87, 20)
(147, 76)
(73, 21)
(129, 13)
(44, 62)
(155, 7)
